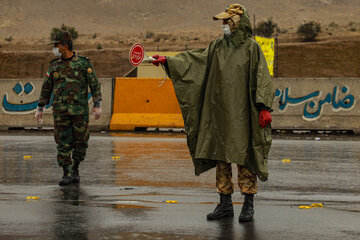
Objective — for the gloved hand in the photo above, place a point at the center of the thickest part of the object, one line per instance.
(96, 112)
(264, 118)
(159, 59)
(39, 115)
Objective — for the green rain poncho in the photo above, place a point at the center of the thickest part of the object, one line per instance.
(219, 90)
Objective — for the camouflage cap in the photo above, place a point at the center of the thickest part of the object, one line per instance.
(61, 36)
(231, 10)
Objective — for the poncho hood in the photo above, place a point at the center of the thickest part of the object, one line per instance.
(244, 31)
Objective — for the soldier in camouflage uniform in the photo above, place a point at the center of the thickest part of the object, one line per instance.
(68, 78)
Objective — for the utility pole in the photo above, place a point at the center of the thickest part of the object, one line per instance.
(276, 70)
(254, 25)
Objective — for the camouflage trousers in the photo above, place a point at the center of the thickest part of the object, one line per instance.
(71, 135)
(247, 180)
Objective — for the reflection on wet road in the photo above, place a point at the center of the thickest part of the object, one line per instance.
(143, 187)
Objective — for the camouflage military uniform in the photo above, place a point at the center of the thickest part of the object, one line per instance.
(247, 180)
(68, 80)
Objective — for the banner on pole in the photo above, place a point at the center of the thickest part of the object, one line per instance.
(268, 47)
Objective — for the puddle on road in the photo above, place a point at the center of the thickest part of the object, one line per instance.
(148, 135)
(151, 194)
(121, 206)
(129, 206)
(150, 235)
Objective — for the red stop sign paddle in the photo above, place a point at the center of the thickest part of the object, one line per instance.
(136, 54)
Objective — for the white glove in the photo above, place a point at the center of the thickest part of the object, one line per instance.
(96, 112)
(39, 115)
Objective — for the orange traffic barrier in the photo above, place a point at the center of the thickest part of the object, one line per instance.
(144, 102)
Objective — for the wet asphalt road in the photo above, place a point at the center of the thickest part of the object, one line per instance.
(127, 179)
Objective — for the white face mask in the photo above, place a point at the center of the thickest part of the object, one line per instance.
(56, 52)
(226, 29)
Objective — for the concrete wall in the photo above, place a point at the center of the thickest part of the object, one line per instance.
(18, 98)
(308, 104)
(319, 104)
(300, 104)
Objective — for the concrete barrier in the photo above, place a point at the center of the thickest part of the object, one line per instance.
(142, 102)
(19, 101)
(300, 104)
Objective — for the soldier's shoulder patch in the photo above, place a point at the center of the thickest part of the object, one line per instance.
(47, 74)
(89, 70)
(56, 74)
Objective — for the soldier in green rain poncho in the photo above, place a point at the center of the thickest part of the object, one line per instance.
(225, 94)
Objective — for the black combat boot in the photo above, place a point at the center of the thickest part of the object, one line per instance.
(66, 179)
(75, 173)
(223, 209)
(247, 211)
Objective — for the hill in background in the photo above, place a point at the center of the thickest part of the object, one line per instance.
(174, 25)
(35, 18)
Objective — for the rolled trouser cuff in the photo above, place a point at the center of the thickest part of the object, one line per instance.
(224, 183)
(247, 181)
